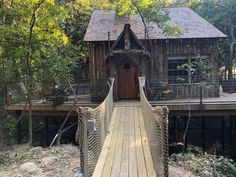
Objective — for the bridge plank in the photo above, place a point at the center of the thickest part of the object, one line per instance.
(133, 169)
(139, 152)
(106, 146)
(111, 150)
(126, 150)
(124, 172)
(147, 154)
(118, 154)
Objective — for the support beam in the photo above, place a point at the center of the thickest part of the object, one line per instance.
(186, 138)
(223, 133)
(46, 130)
(203, 133)
(18, 127)
(231, 135)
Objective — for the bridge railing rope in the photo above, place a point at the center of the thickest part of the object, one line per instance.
(92, 129)
(156, 124)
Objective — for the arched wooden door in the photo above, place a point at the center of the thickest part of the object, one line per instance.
(127, 80)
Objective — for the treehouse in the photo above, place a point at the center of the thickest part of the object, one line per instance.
(119, 48)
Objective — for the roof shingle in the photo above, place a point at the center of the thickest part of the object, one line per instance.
(190, 24)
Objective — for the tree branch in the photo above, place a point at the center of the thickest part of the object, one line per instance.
(146, 33)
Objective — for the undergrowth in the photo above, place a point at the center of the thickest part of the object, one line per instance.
(203, 164)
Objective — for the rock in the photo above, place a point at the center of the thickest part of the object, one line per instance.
(41, 175)
(75, 164)
(79, 174)
(37, 149)
(48, 161)
(30, 168)
(4, 174)
(179, 172)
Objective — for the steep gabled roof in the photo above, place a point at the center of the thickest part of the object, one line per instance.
(190, 24)
(135, 44)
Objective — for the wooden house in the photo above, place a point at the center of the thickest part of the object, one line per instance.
(118, 47)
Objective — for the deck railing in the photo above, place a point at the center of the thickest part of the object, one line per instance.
(92, 130)
(176, 88)
(156, 124)
(49, 92)
(164, 89)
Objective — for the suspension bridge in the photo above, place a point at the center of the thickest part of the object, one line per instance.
(127, 138)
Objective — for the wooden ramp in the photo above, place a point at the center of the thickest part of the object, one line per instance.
(125, 152)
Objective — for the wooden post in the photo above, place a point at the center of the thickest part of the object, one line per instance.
(46, 130)
(203, 133)
(186, 137)
(223, 133)
(18, 128)
(189, 64)
(178, 129)
(166, 141)
(201, 90)
(85, 149)
(234, 137)
(231, 135)
(175, 130)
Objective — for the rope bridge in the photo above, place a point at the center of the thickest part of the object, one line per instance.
(92, 130)
(156, 123)
(123, 138)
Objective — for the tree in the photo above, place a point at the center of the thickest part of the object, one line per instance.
(222, 14)
(35, 47)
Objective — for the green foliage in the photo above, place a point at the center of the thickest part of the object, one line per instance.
(151, 10)
(57, 45)
(7, 129)
(221, 14)
(203, 164)
(201, 67)
(51, 49)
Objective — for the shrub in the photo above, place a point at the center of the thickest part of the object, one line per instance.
(7, 129)
(203, 164)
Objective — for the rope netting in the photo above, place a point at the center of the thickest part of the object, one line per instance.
(156, 124)
(92, 130)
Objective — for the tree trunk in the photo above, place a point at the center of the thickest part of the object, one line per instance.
(231, 54)
(30, 120)
(29, 68)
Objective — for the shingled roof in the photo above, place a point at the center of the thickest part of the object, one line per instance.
(190, 24)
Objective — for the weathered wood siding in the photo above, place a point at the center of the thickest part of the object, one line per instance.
(162, 49)
(185, 48)
(97, 65)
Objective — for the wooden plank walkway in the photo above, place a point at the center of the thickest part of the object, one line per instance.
(126, 151)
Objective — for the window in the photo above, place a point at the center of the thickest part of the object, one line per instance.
(175, 74)
(126, 66)
(178, 69)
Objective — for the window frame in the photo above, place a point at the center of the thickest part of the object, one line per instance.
(172, 78)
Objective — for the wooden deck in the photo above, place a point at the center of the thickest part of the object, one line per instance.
(39, 107)
(126, 151)
(226, 104)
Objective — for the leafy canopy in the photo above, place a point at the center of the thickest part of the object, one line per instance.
(50, 44)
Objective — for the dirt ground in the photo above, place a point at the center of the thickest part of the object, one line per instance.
(179, 172)
(59, 161)
(24, 161)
